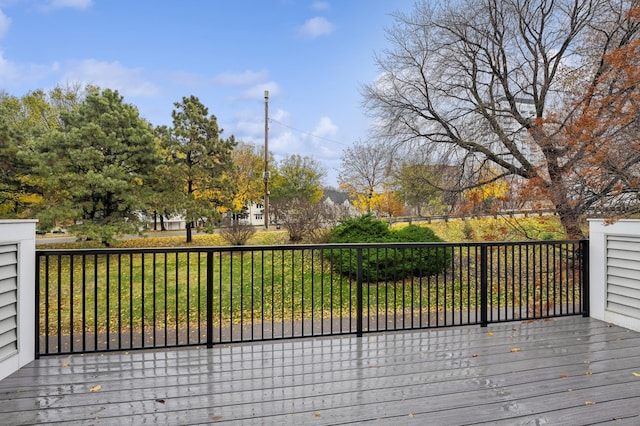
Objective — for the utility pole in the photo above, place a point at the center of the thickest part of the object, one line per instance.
(266, 159)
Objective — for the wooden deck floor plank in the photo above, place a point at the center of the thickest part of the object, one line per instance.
(402, 378)
(275, 375)
(338, 379)
(407, 392)
(148, 374)
(59, 371)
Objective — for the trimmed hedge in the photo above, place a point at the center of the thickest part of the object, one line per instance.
(386, 264)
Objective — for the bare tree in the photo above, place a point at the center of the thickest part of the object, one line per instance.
(544, 90)
(305, 221)
(365, 167)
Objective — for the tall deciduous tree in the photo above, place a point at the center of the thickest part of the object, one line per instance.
(421, 186)
(200, 162)
(93, 167)
(545, 90)
(248, 185)
(296, 187)
(365, 168)
(297, 177)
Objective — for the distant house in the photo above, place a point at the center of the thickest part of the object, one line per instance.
(254, 214)
(340, 200)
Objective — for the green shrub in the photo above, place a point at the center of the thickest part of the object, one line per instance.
(363, 229)
(386, 264)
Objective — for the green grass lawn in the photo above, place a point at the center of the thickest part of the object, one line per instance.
(132, 291)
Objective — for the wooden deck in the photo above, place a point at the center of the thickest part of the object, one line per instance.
(565, 371)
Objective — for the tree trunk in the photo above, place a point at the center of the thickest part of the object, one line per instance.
(189, 235)
(155, 220)
(570, 220)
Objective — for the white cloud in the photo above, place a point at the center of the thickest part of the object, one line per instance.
(316, 27)
(74, 4)
(320, 5)
(257, 91)
(111, 75)
(5, 22)
(246, 78)
(325, 128)
(14, 76)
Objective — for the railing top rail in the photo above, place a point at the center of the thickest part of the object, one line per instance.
(282, 247)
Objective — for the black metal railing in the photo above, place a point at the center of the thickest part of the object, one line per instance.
(124, 299)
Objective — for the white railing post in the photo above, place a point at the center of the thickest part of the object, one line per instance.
(17, 294)
(614, 272)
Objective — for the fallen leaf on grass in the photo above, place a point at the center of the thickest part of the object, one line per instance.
(95, 388)
(515, 349)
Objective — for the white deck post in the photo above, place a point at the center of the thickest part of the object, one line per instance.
(614, 272)
(17, 294)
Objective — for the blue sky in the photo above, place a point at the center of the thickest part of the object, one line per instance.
(312, 56)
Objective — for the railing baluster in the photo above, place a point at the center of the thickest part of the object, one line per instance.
(359, 294)
(484, 266)
(584, 276)
(210, 299)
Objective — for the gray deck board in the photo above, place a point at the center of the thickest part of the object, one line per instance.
(566, 371)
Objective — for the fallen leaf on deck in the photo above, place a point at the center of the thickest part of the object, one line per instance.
(216, 418)
(475, 355)
(65, 364)
(515, 349)
(161, 401)
(489, 334)
(636, 374)
(563, 376)
(588, 373)
(589, 403)
(317, 415)
(410, 414)
(95, 388)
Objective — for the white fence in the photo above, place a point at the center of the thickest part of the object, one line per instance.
(615, 272)
(17, 294)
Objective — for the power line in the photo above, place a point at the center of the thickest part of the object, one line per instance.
(306, 133)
